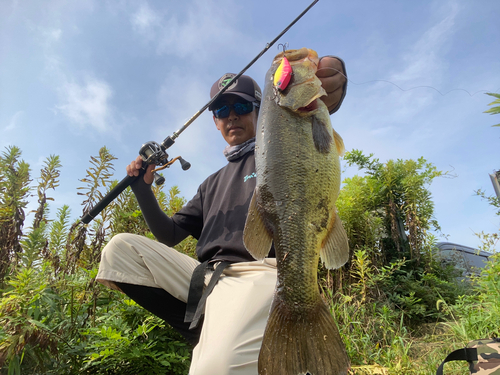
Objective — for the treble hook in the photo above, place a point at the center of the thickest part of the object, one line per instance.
(284, 46)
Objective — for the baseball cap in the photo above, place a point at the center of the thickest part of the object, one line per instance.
(244, 87)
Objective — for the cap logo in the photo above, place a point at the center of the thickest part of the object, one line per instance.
(225, 79)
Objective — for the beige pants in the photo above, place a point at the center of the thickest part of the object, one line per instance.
(236, 311)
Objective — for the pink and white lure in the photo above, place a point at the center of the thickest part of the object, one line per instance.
(283, 74)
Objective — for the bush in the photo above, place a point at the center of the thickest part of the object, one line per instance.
(477, 315)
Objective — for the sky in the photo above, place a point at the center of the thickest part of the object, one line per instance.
(77, 76)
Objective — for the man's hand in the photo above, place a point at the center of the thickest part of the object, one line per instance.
(134, 167)
(332, 81)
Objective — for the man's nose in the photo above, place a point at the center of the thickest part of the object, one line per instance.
(233, 115)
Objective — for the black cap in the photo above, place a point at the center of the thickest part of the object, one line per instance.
(244, 87)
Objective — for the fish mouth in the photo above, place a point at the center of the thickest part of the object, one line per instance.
(304, 87)
(310, 107)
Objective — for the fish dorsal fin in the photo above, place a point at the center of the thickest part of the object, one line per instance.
(339, 143)
(335, 250)
(256, 236)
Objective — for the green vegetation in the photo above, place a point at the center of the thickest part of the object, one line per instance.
(398, 309)
(494, 110)
(54, 317)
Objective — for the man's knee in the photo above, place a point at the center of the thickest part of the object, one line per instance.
(224, 363)
(119, 240)
(118, 244)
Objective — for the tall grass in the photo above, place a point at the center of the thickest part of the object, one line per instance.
(376, 332)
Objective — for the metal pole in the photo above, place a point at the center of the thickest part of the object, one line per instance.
(495, 177)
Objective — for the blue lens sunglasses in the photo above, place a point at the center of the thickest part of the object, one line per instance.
(239, 108)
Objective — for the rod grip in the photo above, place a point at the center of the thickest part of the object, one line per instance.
(108, 198)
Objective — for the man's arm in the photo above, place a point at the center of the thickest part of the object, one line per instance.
(162, 226)
(333, 77)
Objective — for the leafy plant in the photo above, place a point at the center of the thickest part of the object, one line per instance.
(398, 195)
(48, 180)
(54, 317)
(144, 345)
(14, 192)
(489, 240)
(496, 109)
(97, 182)
(29, 318)
(477, 315)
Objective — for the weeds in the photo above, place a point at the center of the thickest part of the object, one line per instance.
(399, 311)
(54, 317)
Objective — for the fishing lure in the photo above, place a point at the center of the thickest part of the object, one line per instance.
(283, 74)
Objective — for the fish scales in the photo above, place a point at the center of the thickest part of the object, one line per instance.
(298, 181)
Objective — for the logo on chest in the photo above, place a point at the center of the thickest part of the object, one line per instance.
(248, 177)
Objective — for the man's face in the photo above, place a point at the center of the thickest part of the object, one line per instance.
(235, 128)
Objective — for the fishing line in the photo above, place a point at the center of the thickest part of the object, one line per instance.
(411, 88)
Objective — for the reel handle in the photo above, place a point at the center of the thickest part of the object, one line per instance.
(185, 165)
(159, 179)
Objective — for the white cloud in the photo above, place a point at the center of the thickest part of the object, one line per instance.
(53, 35)
(172, 97)
(145, 21)
(14, 121)
(87, 104)
(200, 144)
(202, 25)
(425, 60)
(423, 63)
(195, 28)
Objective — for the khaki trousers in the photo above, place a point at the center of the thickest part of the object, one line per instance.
(236, 311)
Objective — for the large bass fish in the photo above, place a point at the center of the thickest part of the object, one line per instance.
(298, 181)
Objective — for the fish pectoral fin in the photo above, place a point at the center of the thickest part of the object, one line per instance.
(335, 250)
(256, 236)
(321, 137)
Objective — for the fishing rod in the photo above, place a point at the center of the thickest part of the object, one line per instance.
(154, 153)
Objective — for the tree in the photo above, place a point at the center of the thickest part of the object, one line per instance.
(395, 193)
(388, 214)
(494, 110)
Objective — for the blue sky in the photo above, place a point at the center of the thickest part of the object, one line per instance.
(76, 76)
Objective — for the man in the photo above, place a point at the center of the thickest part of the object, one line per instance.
(237, 299)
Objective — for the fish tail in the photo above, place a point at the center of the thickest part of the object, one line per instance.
(302, 343)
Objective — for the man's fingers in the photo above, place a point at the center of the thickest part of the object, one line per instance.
(329, 68)
(334, 88)
(134, 167)
(332, 76)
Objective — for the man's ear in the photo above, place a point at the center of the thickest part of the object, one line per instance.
(216, 123)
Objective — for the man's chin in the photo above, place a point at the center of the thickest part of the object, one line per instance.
(234, 141)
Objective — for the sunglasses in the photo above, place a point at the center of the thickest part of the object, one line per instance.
(239, 108)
